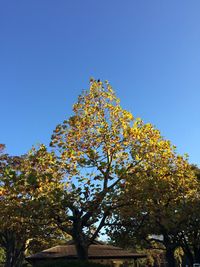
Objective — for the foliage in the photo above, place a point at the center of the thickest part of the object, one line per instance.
(2, 255)
(26, 186)
(104, 151)
(106, 168)
(162, 209)
(189, 233)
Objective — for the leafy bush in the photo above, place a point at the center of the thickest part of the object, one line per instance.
(2, 255)
(64, 263)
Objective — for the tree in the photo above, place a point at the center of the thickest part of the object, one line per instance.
(101, 147)
(189, 234)
(162, 198)
(26, 186)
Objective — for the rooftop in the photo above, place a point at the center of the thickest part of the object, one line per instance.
(96, 250)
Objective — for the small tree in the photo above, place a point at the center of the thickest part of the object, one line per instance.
(160, 213)
(26, 186)
(189, 233)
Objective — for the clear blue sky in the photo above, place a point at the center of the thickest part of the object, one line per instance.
(148, 50)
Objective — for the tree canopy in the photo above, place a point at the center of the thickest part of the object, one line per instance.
(105, 169)
(26, 186)
(105, 152)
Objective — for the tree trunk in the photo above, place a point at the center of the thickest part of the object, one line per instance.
(188, 254)
(82, 251)
(14, 250)
(14, 258)
(170, 246)
(81, 241)
(196, 255)
(170, 257)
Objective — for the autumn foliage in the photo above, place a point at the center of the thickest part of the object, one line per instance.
(106, 168)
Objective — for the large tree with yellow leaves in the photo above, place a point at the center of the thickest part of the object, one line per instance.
(104, 151)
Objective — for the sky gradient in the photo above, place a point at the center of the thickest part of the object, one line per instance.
(148, 50)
